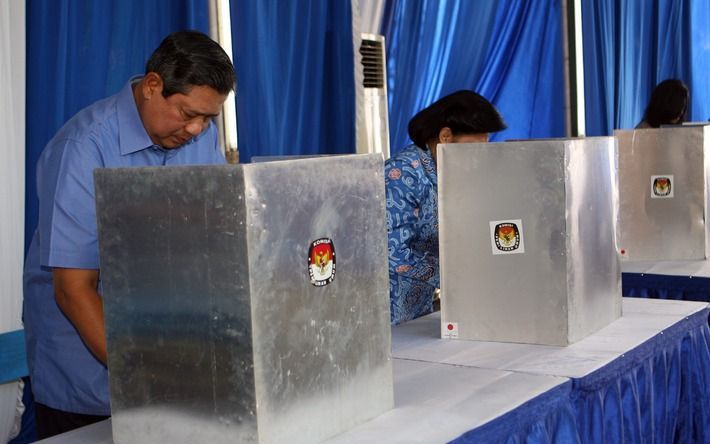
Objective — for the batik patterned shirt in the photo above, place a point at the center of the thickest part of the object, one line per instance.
(413, 232)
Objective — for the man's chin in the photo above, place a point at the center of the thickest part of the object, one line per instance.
(172, 142)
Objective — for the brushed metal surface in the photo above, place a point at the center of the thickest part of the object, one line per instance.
(321, 353)
(563, 282)
(673, 228)
(215, 331)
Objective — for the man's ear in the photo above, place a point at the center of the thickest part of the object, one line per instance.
(152, 85)
(445, 135)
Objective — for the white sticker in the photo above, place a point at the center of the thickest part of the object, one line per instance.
(507, 236)
(662, 186)
(449, 330)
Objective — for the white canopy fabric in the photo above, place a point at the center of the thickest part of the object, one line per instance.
(12, 192)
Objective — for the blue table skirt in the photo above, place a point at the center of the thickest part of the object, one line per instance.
(660, 286)
(547, 418)
(658, 392)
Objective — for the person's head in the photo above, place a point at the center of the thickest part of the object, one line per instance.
(668, 104)
(187, 79)
(461, 117)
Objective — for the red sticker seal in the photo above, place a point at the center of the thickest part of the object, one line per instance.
(321, 262)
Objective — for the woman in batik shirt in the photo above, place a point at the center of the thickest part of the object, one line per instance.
(411, 185)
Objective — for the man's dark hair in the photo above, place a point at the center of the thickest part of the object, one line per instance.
(190, 58)
(464, 112)
(668, 104)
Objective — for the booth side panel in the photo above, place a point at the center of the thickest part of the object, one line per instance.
(511, 289)
(593, 269)
(320, 295)
(174, 276)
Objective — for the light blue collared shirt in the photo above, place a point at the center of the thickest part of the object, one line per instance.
(109, 133)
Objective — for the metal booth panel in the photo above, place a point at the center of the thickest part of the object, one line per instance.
(522, 240)
(321, 341)
(174, 281)
(593, 266)
(227, 318)
(662, 193)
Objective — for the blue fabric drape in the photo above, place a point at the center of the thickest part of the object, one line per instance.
(658, 392)
(79, 51)
(295, 79)
(510, 52)
(546, 419)
(658, 286)
(631, 46)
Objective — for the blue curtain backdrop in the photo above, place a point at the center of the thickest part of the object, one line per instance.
(295, 78)
(79, 51)
(631, 46)
(510, 52)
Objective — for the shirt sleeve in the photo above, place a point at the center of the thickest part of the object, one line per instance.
(403, 188)
(67, 209)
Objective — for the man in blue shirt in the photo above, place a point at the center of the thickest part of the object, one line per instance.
(162, 118)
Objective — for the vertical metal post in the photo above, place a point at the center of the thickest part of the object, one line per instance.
(221, 32)
(574, 67)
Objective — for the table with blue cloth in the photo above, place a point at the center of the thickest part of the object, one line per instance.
(679, 280)
(438, 403)
(643, 378)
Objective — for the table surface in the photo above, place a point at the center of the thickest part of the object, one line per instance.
(433, 403)
(444, 388)
(642, 319)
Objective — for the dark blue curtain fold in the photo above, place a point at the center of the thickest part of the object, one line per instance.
(79, 51)
(510, 52)
(631, 46)
(657, 392)
(546, 419)
(295, 77)
(660, 286)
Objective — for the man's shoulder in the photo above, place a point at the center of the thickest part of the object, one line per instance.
(96, 120)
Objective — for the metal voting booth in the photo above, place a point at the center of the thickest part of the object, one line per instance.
(527, 240)
(663, 193)
(227, 319)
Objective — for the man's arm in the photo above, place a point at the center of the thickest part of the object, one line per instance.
(76, 293)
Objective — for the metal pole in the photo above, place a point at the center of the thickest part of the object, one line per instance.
(574, 67)
(221, 32)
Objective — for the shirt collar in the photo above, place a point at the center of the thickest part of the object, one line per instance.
(132, 134)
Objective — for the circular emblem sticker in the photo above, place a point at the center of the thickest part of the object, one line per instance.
(662, 186)
(321, 262)
(507, 236)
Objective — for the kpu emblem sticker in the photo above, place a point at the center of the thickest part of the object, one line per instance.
(507, 237)
(321, 262)
(662, 186)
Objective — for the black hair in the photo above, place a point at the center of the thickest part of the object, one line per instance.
(464, 112)
(669, 102)
(190, 58)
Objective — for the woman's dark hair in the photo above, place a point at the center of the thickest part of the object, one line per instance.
(464, 112)
(668, 104)
(190, 58)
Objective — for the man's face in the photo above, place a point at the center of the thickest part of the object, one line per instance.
(172, 121)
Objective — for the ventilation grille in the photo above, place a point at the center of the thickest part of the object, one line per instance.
(373, 69)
